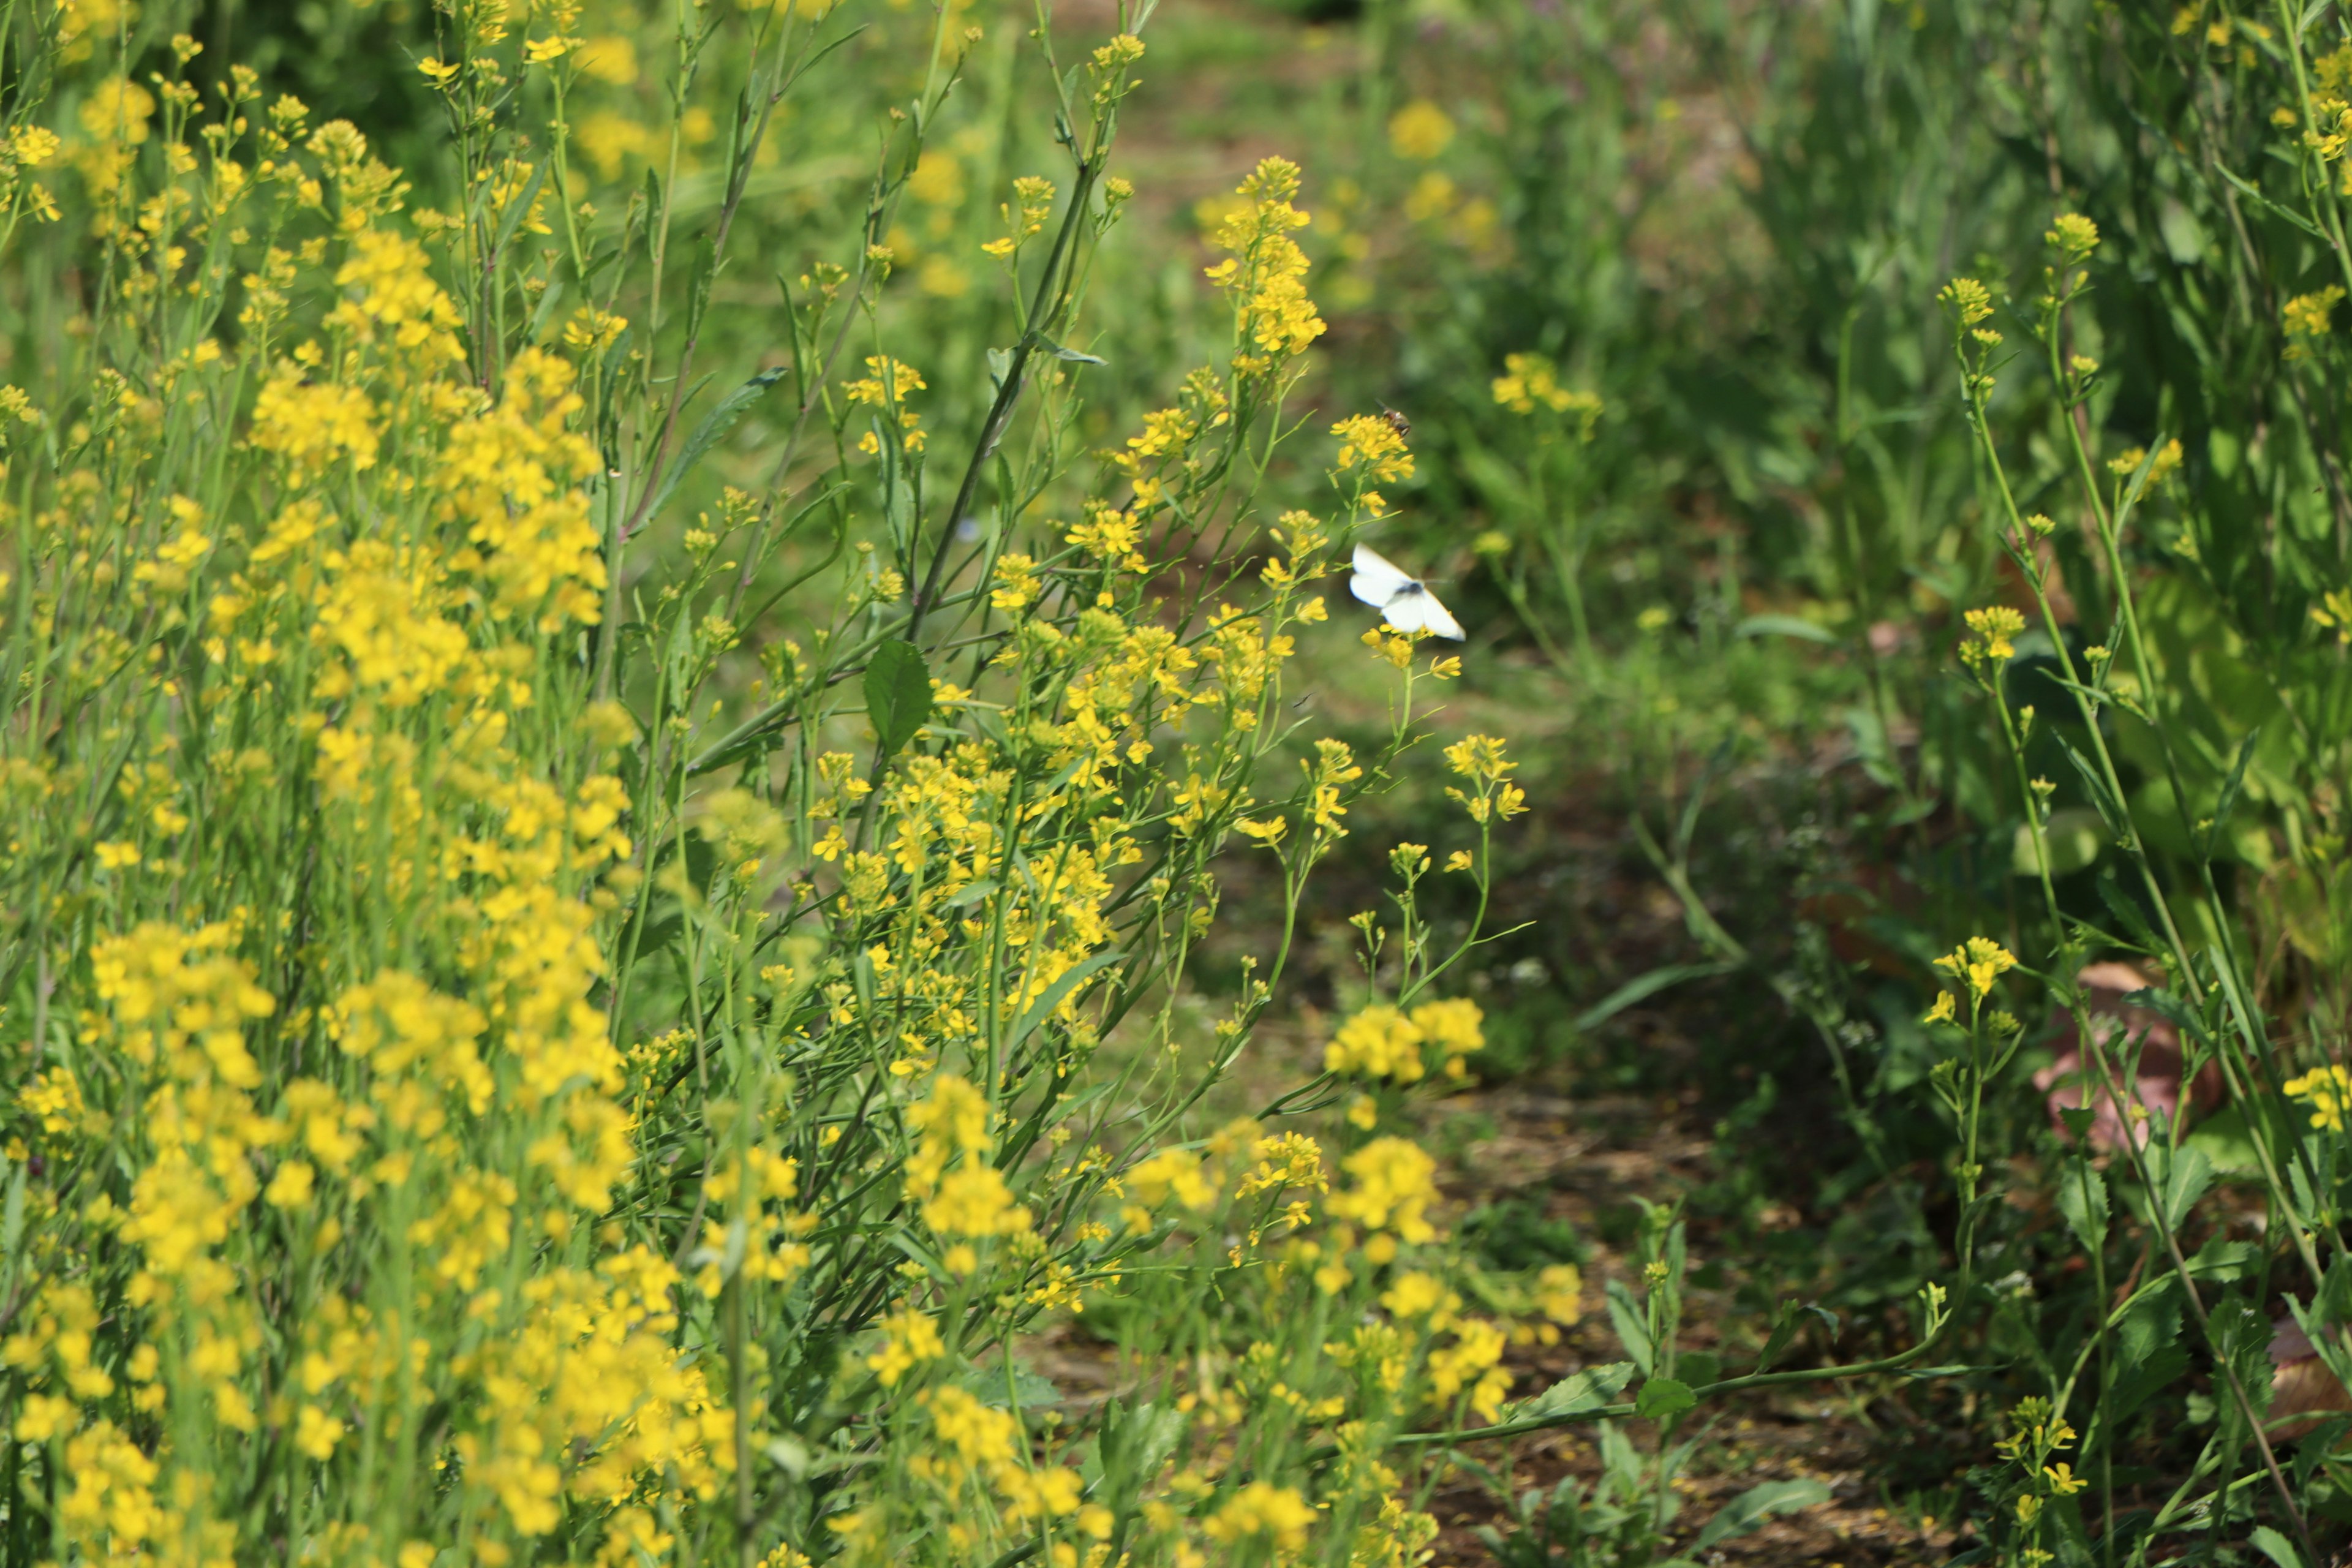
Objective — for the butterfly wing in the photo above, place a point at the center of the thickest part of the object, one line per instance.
(1438, 618)
(1378, 579)
(1404, 600)
(1417, 609)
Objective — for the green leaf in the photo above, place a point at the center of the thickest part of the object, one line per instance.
(972, 893)
(2275, 1547)
(2160, 1367)
(1662, 1396)
(1633, 1332)
(12, 1216)
(2224, 1262)
(1784, 1328)
(1757, 1504)
(1591, 1389)
(2225, 1138)
(1134, 1445)
(1644, 986)
(2150, 1321)
(518, 209)
(898, 695)
(2254, 194)
(2074, 836)
(2082, 1199)
(987, 1385)
(2182, 1181)
(1043, 1008)
(713, 425)
(2333, 1305)
(1784, 627)
(2229, 801)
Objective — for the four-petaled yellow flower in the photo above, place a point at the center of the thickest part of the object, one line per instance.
(1980, 961)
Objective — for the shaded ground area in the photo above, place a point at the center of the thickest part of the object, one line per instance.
(1590, 1159)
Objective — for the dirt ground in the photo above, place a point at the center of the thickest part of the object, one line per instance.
(1570, 1151)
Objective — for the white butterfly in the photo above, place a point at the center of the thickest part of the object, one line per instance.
(1404, 600)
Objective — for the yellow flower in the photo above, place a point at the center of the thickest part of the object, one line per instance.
(1453, 1026)
(1970, 300)
(1175, 1171)
(1472, 1360)
(1560, 1292)
(978, 1435)
(909, 1338)
(1420, 130)
(1017, 583)
(1266, 271)
(609, 58)
(1378, 1042)
(1370, 442)
(1529, 380)
(2073, 236)
(1990, 632)
(290, 1187)
(1980, 961)
(1393, 1188)
(1414, 1295)
(2334, 612)
(2305, 317)
(312, 428)
(1262, 1508)
(2328, 1091)
(43, 1417)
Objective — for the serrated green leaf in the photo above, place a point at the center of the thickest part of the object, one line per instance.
(1662, 1396)
(2275, 1547)
(990, 1387)
(1588, 1390)
(2082, 1199)
(2179, 1181)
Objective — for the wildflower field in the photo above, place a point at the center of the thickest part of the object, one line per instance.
(716, 847)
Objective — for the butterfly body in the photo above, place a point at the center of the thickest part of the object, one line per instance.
(1404, 600)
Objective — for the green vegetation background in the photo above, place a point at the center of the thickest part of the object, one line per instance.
(1712, 542)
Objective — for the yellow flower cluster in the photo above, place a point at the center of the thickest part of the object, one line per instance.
(423, 754)
(1382, 1042)
(1487, 792)
(1375, 446)
(2305, 318)
(1980, 961)
(2327, 1090)
(352, 1130)
(972, 1201)
(1529, 382)
(1266, 272)
(1420, 130)
(1991, 635)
